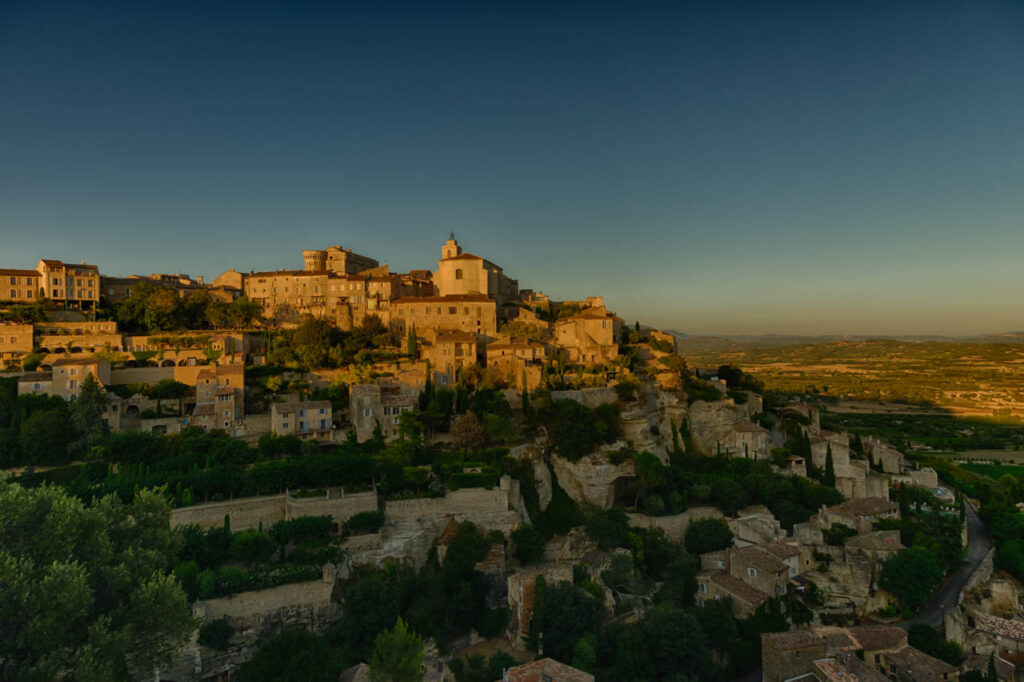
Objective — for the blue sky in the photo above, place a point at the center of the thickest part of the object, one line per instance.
(716, 167)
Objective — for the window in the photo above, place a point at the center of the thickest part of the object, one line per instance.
(14, 293)
(721, 564)
(752, 572)
(703, 588)
(30, 293)
(458, 273)
(14, 280)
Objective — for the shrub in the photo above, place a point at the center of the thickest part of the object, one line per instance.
(529, 544)
(216, 634)
(363, 523)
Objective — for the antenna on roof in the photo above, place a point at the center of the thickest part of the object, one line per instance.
(451, 235)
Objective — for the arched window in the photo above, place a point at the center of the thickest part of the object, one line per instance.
(458, 274)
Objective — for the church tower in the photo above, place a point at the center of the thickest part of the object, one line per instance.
(451, 248)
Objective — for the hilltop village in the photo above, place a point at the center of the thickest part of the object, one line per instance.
(526, 488)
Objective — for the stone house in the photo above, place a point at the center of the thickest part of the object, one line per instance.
(71, 286)
(373, 404)
(522, 590)
(309, 420)
(514, 358)
(860, 514)
(20, 286)
(65, 379)
(15, 341)
(591, 336)
(717, 584)
(475, 313)
(751, 440)
(448, 350)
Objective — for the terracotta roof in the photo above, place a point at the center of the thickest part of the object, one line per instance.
(92, 360)
(918, 665)
(18, 273)
(515, 343)
(748, 427)
(455, 336)
(455, 298)
(223, 390)
(364, 389)
(204, 409)
(736, 587)
(464, 256)
(782, 550)
(866, 506)
(1004, 627)
(547, 669)
(875, 637)
(760, 557)
(879, 540)
(791, 641)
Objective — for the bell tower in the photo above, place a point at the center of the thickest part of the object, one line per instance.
(451, 248)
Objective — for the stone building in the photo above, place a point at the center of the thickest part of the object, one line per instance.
(71, 286)
(717, 584)
(463, 274)
(751, 440)
(337, 259)
(522, 590)
(15, 342)
(309, 420)
(860, 514)
(373, 404)
(448, 350)
(20, 286)
(821, 653)
(475, 313)
(591, 336)
(66, 377)
(515, 358)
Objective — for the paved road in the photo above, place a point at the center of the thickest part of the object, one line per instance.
(978, 544)
(934, 611)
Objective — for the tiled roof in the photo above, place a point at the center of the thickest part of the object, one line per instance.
(782, 550)
(18, 273)
(874, 637)
(291, 406)
(759, 557)
(547, 669)
(92, 360)
(791, 641)
(748, 427)
(879, 540)
(737, 588)
(1004, 627)
(918, 665)
(866, 506)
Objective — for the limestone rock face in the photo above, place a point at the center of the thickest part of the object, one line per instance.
(542, 478)
(647, 422)
(592, 478)
(711, 425)
(572, 547)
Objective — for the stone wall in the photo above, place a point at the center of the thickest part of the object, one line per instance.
(249, 512)
(255, 616)
(675, 526)
(711, 425)
(591, 397)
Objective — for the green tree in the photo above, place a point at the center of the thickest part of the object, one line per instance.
(397, 656)
(45, 437)
(312, 341)
(84, 590)
(912, 575)
(707, 535)
(650, 473)
(829, 478)
(410, 343)
(529, 544)
(292, 655)
(87, 411)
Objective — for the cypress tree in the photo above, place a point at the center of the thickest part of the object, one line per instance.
(410, 343)
(830, 470)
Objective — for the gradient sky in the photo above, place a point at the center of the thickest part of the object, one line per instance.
(715, 167)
